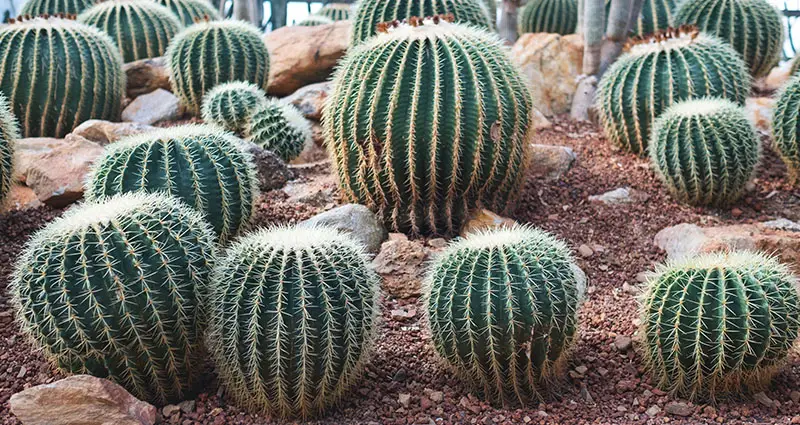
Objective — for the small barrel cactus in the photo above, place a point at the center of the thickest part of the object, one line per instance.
(55, 7)
(8, 136)
(315, 21)
(141, 28)
(505, 322)
(553, 16)
(190, 11)
(293, 318)
(230, 105)
(719, 323)
(79, 79)
(200, 165)
(657, 15)
(115, 290)
(659, 70)
(199, 58)
(279, 127)
(753, 27)
(786, 127)
(336, 11)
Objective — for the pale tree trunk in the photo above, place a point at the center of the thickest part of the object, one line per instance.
(251, 11)
(593, 25)
(507, 25)
(278, 13)
(579, 27)
(621, 18)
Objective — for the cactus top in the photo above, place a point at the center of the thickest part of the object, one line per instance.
(703, 106)
(669, 39)
(510, 236)
(296, 238)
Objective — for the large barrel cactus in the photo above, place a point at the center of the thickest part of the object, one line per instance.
(753, 27)
(553, 16)
(212, 52)
(114, 289)
(141, 28)
(201, 165)
(8, 136)
(662, 69)
(657, 15)
(190, 11)
(279, 127)
(786, 127)
(336, 11)
(432, 130)
(58, 73)
(231, 105)
(502, 311)
(293, 318)
(719, 323)
(55, 7)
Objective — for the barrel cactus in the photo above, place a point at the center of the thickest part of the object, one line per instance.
(421, 137)
(293, 318)
(200, 58)
(336, 11)
(190, 11)
(718, 323)
(553, 16)
(8, 135)
(656, 15)
(506, 321)
(141, 28)
(114, 289)
(201, 165)
(659, 70)
(786, 127)
(279, 127)
(55, 7)
(58, 73)
(230, 105)
(315, 21)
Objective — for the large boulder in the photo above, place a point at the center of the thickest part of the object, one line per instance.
(355, 220)
(145, 76)
(159, 105)
(105, 132)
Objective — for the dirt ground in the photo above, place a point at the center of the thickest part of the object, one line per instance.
(605, 384)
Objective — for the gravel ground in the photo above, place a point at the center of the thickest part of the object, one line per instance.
(405, 384)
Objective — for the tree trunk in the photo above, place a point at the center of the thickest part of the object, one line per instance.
(278, 13)
(621, 19)
(507, 25)
(593, 26)
(579, 27)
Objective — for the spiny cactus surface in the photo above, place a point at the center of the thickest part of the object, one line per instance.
(54, 7)
(231, 105)
(314, 21)
(8, 136)
(279, 127)
(336, 11)
(552, 16)
(786, 127)
(656, 15)
(190, 11)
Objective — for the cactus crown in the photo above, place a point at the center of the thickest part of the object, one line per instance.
(786, 127)
(231, 105)
(190, 11)
(336, 11)
(9, 133)
(279, 127)
(33, 8)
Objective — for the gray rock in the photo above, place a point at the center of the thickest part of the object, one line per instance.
(782, 224)
(681, 241)
(620, 196)
(356, 220)
(105, 132)
(678, 408)
(550, 162)
(159, 105)
(273, 173)
(310, 100)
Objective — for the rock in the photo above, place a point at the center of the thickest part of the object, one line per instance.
(782, 224)
(653, 411)
(437, 243)
(159, 105)
(540, 122)
(20, 197)
(399, 263)
(550, 162)
(105, 132)
(764, 400)
(552, 64)
(778, 76)
(317, 193)
(310, 100)
(436, 396)
(483, 219)
(312, 150)
(620, 196)
(678, 408)
(302, 55)
(80, 399)
(146, 75)
(356, 220)
(403, 314)
(170, 410)
(187, 406)
(760, 111)
(585, 251)
(404, 399)
(622, 343)
(273, 173)
(795, 396)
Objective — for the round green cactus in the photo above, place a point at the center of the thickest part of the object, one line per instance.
(141, 28)
(293, 319)
(435, 129)
(314, 21)
(115, 290)
(191, 11)
(719, 323)
(657, 15)
(336, 11)
(281, 128)
(662, 69)
(8, 136)
(786, 127)
(553, 16)
(55, 7)
(58, 73)
(231, 105)
(200, 57)
(200, 165)
(492, 294)
(753, 27)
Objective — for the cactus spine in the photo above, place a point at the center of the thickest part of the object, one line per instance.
(336, 11)
(786, 126)
(55, 7)
(293, 319)
(662, 69)
(8, 136)
(189, 11)
(231, 105)
(114, 289)
(553, 16)
(430, 131)
(718, 323)
(281, 128)
(315, 21)
(200, 58)
(58, 73)
(491, 294)
(201, 165)
(753, 27)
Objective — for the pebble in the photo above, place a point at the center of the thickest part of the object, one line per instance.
(436, 396)
(585, 251)
(404, 399)
(653, 411)
(678, 408)
(170, 410)
(22, 371)
(762, 399)
(795, 396)
(187, 406)
(437, 243)
(623, 343)
(582, 369)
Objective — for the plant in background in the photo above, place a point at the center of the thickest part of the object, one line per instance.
(336, 11)
(279, 127)
(786, 127)
(552, 16)
(314, 21)
(231, 105)
(8, 136)
(200, 165)
(79, 79)
(293, 319)
(656, 15)
(718, 323)
(114, 289)
(55, 7)
(506, 322)
(190, 11)
(421, 139)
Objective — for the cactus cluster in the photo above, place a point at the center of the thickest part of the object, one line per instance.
(552, 16)
(55, 7)
(279, 127)
(314, 21)
(8, 136)
(191, 11)
(114, 289)
(201, 165)
(293, 317)
(718, 323)
(58, 73)
(200, 57)
(432, 130)
(786, 127)
(659, 70)
(141, 28)
(336, 11)
(231, 105)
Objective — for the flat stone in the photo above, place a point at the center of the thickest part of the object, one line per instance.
(620, 196)
(356, 220)
(399, 263)
(483, 219)
(145, 76)
(310, 100)
(678, 408)
(151, 108)
(550, 162)
(105, 132)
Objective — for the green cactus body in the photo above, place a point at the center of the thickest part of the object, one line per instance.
(425, 123)
(794, 66)
(660, 70)
(753, 27)
(786, 127)
(370, 13)
(502, 311)
(336, 11)
(315, 21)
(190, 11)
(141, 28)
(58, 73)
(293, 318)
(8, 136)
(552, 16)
(114, 290)
(200, 57)
(54, 7)
(705, 151)
(200, 165)
(281, 128)
(718, 324)
(230, 105)
(657, 15)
